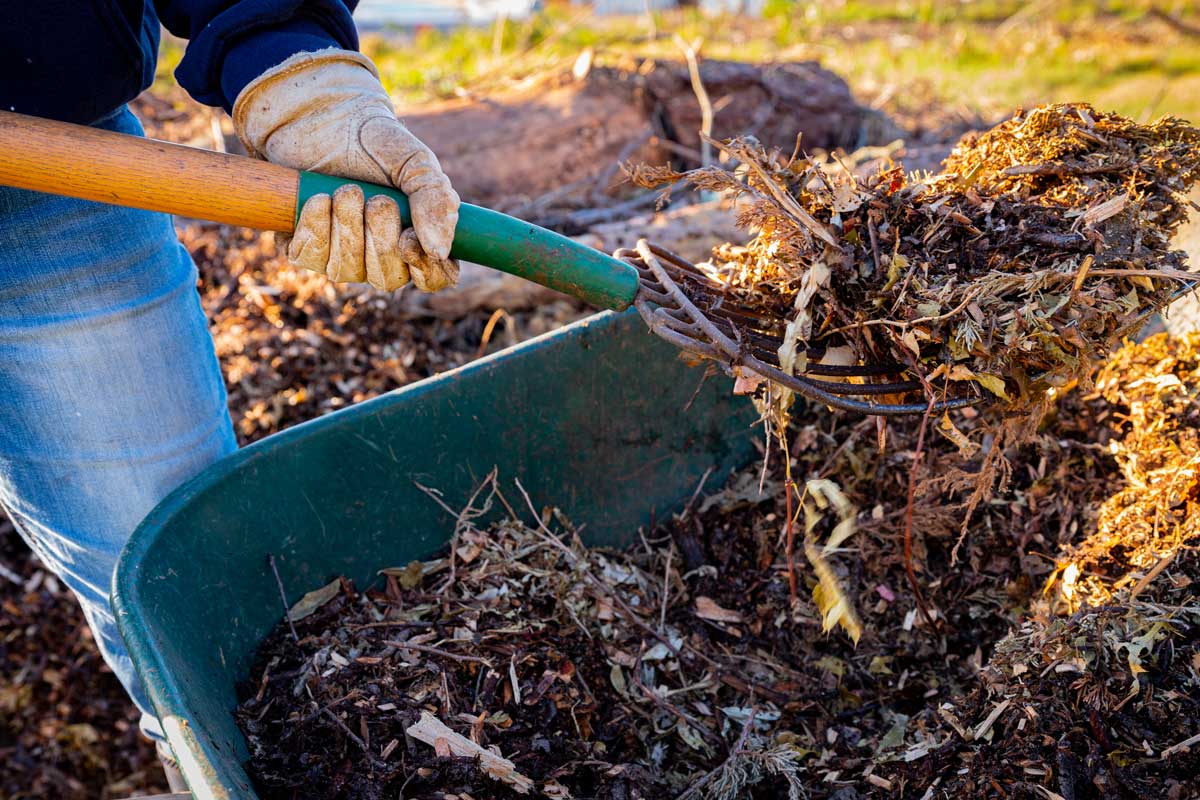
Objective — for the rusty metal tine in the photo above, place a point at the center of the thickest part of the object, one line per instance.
(737, 337)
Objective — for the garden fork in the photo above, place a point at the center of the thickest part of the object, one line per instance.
(670, 294)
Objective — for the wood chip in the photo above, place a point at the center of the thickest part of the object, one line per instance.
(987, 724)
(445, 742)
(707, 608)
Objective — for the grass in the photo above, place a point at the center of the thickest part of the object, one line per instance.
(985, 56)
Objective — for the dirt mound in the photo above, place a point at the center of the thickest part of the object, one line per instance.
(554, 142)
(772, 102)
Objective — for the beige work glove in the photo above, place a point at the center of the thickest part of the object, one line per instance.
(327, 112)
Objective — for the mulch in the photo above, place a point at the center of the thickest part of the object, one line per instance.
(687, 667)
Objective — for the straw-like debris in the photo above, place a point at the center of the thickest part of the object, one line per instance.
(1010, 274)
(1098, 693)
(1144, 525)
(1104, 703)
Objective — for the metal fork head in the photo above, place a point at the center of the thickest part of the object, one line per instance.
(690, 310)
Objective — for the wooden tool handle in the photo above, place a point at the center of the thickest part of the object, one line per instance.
(108, 167)
(77, 161)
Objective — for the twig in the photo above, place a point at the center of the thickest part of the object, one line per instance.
(1152, 574)
(497, 315)
(687, 509)
(874, 242)
(424, 648)
(908, 516)
(1184, 745)
(433, 495)
(354, 738)
(287, 612)
(666, 590)
(790, 547)
(737, 750)
(706, 108)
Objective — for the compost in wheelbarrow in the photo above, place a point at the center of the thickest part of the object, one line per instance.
(339, 497)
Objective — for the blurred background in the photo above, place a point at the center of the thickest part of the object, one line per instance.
(532, 107)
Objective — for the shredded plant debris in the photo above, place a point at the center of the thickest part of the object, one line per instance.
(1143, 526)
(522, 663)
(1011, 273)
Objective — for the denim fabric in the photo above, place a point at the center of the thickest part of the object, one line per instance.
(110, 390)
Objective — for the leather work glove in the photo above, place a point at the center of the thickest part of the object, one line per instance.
(327, 112)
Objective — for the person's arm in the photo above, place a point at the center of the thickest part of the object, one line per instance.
(302, 97)
(232, 42)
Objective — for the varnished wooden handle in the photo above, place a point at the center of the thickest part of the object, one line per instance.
(78, 161)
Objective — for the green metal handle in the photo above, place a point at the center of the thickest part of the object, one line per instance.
(519, 248)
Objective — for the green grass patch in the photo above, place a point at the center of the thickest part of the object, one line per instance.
(981, 55)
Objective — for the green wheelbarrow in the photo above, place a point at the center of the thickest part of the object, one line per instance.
(598, 419)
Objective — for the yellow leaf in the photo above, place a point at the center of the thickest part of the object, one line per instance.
(993, 383)
(832, 601)
(966, 447)
(960, 372)
(880, 666)
(831, 664)
(1142, 282)
(310, 602)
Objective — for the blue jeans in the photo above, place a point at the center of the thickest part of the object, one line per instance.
(110, 390)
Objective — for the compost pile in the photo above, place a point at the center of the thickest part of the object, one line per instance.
(1013, 271)
(682, 667)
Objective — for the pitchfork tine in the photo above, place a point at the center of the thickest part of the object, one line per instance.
(739, 337)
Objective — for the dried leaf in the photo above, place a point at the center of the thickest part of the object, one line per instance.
(832, 601)
(312, 601)
(707, 608)
(993, 383)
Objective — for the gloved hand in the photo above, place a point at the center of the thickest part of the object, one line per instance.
(327, 112)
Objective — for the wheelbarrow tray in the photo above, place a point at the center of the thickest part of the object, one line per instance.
(599, 419)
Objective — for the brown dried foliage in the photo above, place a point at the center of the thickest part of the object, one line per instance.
(1015, 270)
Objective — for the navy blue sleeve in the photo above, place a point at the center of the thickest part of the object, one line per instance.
(231, 42)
